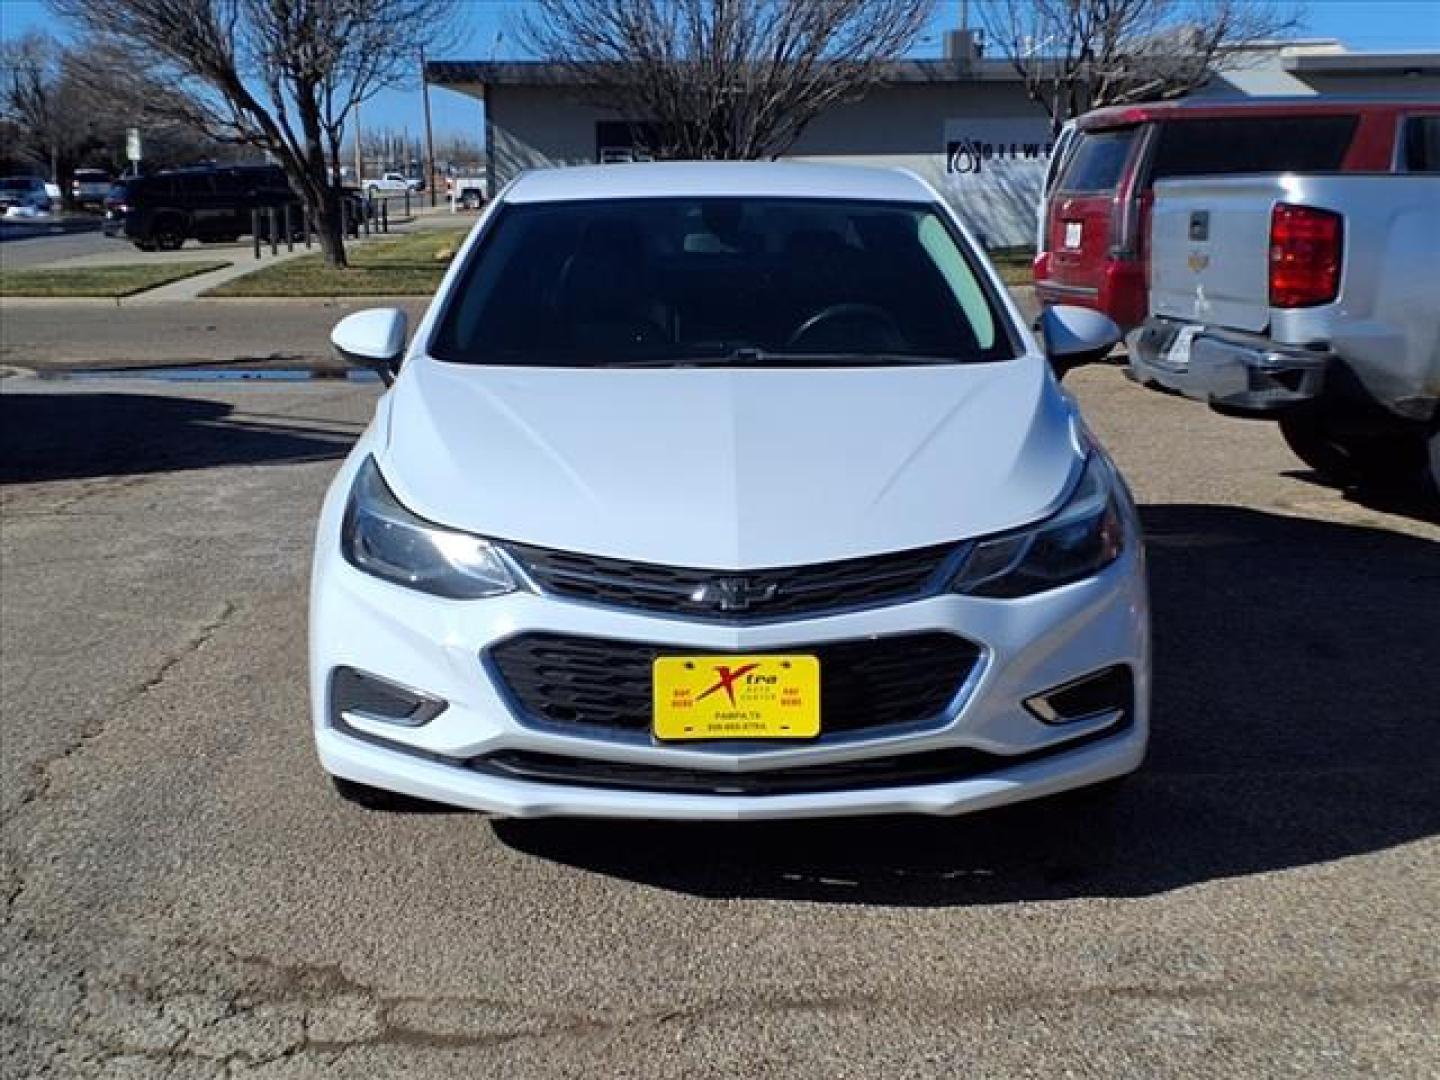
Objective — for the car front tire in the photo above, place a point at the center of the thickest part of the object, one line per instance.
(169, 235)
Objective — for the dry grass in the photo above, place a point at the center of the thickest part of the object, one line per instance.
(102, 281)
(408, 265)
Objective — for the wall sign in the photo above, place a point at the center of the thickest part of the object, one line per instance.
(990, 169)
(970, 155)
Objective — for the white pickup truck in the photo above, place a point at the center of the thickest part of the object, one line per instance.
(1312, 299)
(392, 183)
(465, 191)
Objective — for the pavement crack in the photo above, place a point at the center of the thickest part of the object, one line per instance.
(43, 772)
(194, 644)
(92, 489)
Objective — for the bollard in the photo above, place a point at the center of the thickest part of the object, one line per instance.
(274, 233)
(289, 230)
(307, 228)
(385, 216)
(407, 202)
(369, 212)
(255, 230)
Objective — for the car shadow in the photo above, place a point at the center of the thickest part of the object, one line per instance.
(1295, 722)
(73, 436)
(1409, 500)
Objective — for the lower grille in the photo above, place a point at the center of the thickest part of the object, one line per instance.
(900, 770)
(578, 683)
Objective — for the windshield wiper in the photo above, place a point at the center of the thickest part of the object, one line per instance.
(753, 357)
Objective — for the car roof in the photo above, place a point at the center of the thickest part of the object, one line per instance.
(714, 179)
(1210, 108)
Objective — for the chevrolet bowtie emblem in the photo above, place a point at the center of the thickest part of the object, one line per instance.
(734, 593)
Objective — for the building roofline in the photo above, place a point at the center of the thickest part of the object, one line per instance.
(461, 73)
(1371, 63)
(464, 74)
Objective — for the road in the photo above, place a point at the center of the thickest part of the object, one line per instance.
(185, 897)
(34, 245)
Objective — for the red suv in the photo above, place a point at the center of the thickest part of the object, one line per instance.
(1097, 213)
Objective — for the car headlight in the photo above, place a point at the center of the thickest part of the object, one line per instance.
(1086, 535)
(381, 537)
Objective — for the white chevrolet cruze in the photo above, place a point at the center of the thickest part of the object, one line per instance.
(726, 491)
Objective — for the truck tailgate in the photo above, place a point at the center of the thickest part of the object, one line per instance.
(1210, 249)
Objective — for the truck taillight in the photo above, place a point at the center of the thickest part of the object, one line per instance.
(1304, 256)
(1124, 226)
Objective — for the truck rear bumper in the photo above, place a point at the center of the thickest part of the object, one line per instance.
(1246, 372)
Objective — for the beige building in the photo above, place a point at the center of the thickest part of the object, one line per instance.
(962, 122)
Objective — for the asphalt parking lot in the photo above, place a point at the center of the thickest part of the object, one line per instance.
(185, 897)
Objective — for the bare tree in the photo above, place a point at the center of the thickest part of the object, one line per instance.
(1077, 55)
(455, 150)
(283, 76)
(387, 148)
(64, 105)
(722, 78)
(41, 99)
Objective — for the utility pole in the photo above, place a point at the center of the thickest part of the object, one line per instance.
(429, 132)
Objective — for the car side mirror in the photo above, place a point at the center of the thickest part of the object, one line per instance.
(373, 339)
(1076, 336)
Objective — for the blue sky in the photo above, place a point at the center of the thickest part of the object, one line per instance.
(1360, 24)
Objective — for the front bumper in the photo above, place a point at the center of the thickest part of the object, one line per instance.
(1246, 372)
(1029, 646)
(367, 763)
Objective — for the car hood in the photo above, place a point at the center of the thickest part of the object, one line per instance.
(732, 468)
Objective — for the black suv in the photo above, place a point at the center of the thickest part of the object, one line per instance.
(165, 209)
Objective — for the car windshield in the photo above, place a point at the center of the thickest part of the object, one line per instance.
(757, 281)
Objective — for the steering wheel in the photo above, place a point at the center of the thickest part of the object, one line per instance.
(880, 322)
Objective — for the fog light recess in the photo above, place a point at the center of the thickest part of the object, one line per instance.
(362, 696)
(1106, 693)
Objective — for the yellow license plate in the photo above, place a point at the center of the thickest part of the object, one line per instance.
(737, 697)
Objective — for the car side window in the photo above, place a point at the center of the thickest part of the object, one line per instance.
(1057, 158)
(1097, 161)
(194, 186)
(1420, 146)
(962, 282)
(229, 184)
(272, 182)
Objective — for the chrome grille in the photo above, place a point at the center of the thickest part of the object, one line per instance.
(574, 683)
(738, 596)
